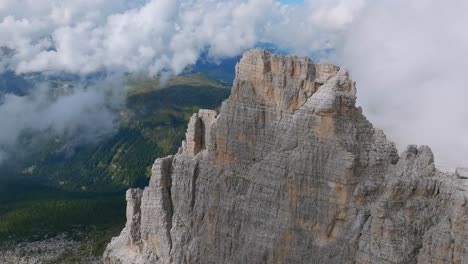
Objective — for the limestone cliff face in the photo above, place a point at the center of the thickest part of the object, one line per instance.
(290, 171)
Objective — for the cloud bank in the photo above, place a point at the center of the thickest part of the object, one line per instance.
(159, 35)
(409, 59)
(82, 114)
(407, 56)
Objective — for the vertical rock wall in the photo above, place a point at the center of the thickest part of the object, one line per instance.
(290, 171)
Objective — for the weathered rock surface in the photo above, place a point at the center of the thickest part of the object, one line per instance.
(290, 171)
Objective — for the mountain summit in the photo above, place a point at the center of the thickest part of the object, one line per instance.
(290, 171)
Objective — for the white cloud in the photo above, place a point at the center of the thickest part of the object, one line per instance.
(78, 114)
(409, 59)
(334, 14)
(86, 36)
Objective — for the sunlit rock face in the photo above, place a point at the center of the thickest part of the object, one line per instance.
(290, 171)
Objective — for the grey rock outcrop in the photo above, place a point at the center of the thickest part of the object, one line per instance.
(291, 171)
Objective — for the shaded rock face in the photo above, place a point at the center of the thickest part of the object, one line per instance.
(290, 171)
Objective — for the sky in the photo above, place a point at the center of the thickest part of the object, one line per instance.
(408, 57)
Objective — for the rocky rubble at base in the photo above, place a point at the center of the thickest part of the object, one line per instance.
(290, 171)
(42, 251)
(36, 252)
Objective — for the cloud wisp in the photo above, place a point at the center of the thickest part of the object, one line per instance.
(82, 114)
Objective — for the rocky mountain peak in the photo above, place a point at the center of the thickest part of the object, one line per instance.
(290, 171)
(284, 82)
